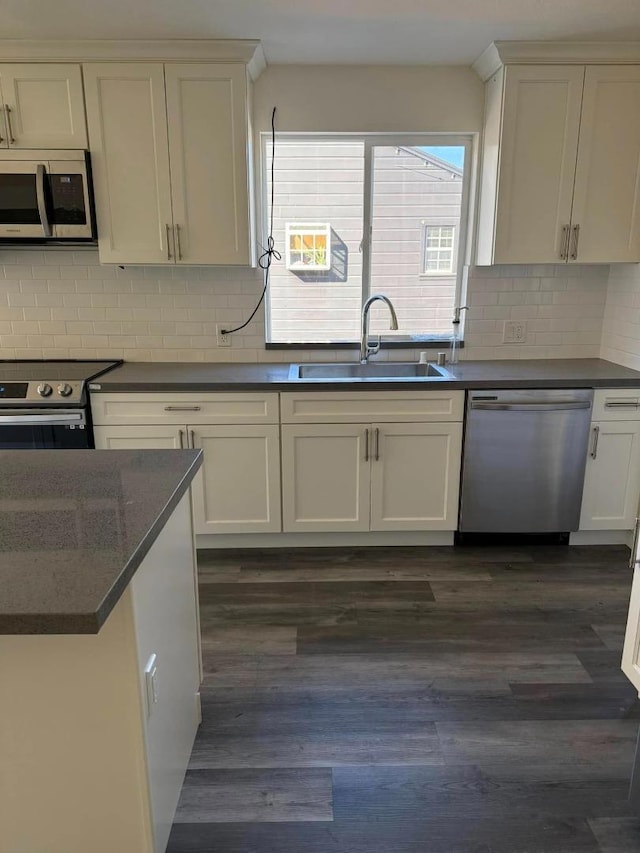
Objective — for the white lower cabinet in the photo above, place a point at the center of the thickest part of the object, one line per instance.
(325, 477)
(631, 648)
(415, 476)
(238, 490)
(358, 477)
(238, 487)
(612, 476)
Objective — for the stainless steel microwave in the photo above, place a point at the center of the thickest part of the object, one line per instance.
(46, 195)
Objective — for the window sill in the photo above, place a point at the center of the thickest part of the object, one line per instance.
(410, 343)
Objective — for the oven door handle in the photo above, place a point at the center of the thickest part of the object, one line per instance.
(42, 420)
(41, 199)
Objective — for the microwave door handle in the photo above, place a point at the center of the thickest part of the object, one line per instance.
(41, 199)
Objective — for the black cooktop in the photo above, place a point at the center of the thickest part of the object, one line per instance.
(68, 370)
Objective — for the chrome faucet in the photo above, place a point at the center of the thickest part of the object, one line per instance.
(365, 349)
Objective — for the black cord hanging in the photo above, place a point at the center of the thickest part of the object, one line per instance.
(270, 252)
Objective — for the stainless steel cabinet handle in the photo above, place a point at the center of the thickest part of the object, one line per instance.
(181, 434)
(192, 434)
(576, 237)
(560, 406)
(366, 445)
(169, 255)
(377, 444)
(182, 408)
(634, 547)
(594, 446)
(564, 243)
(178, 243)
(7, 118)
(630, 404)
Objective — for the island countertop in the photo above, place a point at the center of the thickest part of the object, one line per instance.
(74, 527)
(167, 376)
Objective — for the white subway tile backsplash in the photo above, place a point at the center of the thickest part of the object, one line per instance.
(64, 304)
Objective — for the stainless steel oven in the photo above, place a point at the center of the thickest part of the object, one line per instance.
(62, 429)
(44, 406)
(46, 195)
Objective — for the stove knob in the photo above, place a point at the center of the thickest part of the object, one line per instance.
(64, 389)
(44, 390)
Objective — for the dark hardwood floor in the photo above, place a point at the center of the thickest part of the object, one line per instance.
(412, 700)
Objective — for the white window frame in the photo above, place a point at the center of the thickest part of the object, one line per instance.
(301, 228)
(425, 271)
(467, 141)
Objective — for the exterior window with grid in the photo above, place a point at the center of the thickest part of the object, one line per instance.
(308, 246)
(438, 249)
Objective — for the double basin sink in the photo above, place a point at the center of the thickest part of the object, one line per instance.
(375, 371)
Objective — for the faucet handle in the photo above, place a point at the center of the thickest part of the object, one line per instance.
(372, 350)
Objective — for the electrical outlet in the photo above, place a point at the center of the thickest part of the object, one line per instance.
(515, 332)
(222, 340)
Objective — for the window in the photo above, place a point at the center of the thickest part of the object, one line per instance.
(355, 215)
(438, 249)
(308, 247)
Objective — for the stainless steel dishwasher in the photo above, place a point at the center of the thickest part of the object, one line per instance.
(524, 460)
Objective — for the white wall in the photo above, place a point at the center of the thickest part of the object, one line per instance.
(64, 304)
(621, 328)
(319, 98)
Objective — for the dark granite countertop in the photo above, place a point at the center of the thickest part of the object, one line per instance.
(535, 373)
(75, 526)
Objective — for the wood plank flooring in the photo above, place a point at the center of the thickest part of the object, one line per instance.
(412, 700)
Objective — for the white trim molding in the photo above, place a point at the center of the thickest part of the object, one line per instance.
(501, 53)
(247, 51)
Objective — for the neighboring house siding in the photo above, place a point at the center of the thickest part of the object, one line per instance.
(322, 182)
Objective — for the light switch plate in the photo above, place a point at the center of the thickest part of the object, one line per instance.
(515, 332)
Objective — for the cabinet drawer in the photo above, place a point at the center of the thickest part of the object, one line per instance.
(616, 404)
(383, 407)
(187, 408)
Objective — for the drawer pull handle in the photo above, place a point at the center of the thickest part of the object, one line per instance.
(622, 404)
(377, 444)
(366, 445)
(594, 446)
(182, 408)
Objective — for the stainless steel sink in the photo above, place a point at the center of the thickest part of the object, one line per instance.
(374, 370)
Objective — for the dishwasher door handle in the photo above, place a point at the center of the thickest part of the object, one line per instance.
(556, 406)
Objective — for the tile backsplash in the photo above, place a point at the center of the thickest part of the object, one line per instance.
(621, 328)
(63, 304)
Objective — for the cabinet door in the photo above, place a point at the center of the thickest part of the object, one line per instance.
(208, 145)
(538, 149)
(612, 477)
(139, 437)
(325, 477)
(606, 202)
(128, 132)
(631, 648)
(239, 490)
(45, 104)
(415, 476)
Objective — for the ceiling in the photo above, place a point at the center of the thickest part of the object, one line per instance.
(399, 32)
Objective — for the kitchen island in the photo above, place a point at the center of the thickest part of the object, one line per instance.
(99, 647)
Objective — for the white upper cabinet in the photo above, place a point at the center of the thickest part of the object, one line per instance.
(207, 120)
(560, 174)
(541, 122)
(42, 106)
(170, 146)
(606, 204)
(128, 134)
